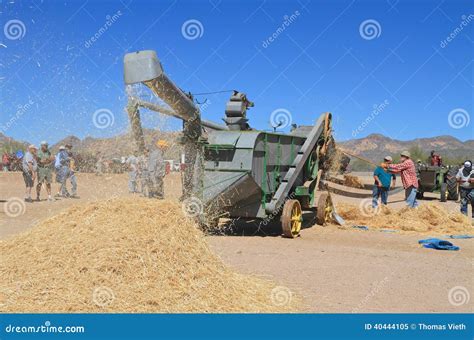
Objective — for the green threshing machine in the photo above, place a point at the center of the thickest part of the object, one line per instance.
(233, 168)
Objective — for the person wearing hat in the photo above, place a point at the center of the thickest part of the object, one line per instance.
(383, 178)
(465, 178)
(407, 172)
(29, 167)
(45, 170)
(156, 170)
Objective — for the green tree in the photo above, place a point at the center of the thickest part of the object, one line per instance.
(418, 154)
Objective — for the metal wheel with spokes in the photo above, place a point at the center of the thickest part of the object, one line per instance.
(291, 219)
(324, 209)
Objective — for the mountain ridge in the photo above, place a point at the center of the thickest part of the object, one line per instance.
(374, 146)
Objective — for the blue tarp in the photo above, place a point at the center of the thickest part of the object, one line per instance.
(436, 243)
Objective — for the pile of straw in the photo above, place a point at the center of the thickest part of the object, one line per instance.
(427, 218)
(353, 182)
(125, 255)
(334, 160)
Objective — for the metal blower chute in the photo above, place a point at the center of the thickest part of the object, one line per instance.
(233, 169)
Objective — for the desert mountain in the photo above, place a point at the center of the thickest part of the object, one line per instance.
(376, 146)
(10, 145)
(373, 147)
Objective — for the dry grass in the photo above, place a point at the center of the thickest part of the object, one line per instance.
(353, 182)
(125, 255)
(427, 218)
(335, 157)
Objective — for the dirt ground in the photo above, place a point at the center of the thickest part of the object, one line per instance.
(333, 270)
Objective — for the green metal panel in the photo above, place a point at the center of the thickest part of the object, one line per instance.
(264, 177)
(276, 169)
(215, 182)
(263, 157)
(301, 191)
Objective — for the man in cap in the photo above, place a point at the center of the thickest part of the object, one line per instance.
(156, 170)
(45, 170)
(465, 178)
(29, 167)
(407, 171)
(383, 178)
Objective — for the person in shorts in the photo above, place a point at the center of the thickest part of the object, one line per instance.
(29, 167)
(45, 170)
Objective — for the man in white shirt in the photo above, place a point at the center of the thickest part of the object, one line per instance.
(465, 178)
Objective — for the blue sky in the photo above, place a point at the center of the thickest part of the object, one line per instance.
(378, 66)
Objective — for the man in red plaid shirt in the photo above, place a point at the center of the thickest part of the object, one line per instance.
(407, 171)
